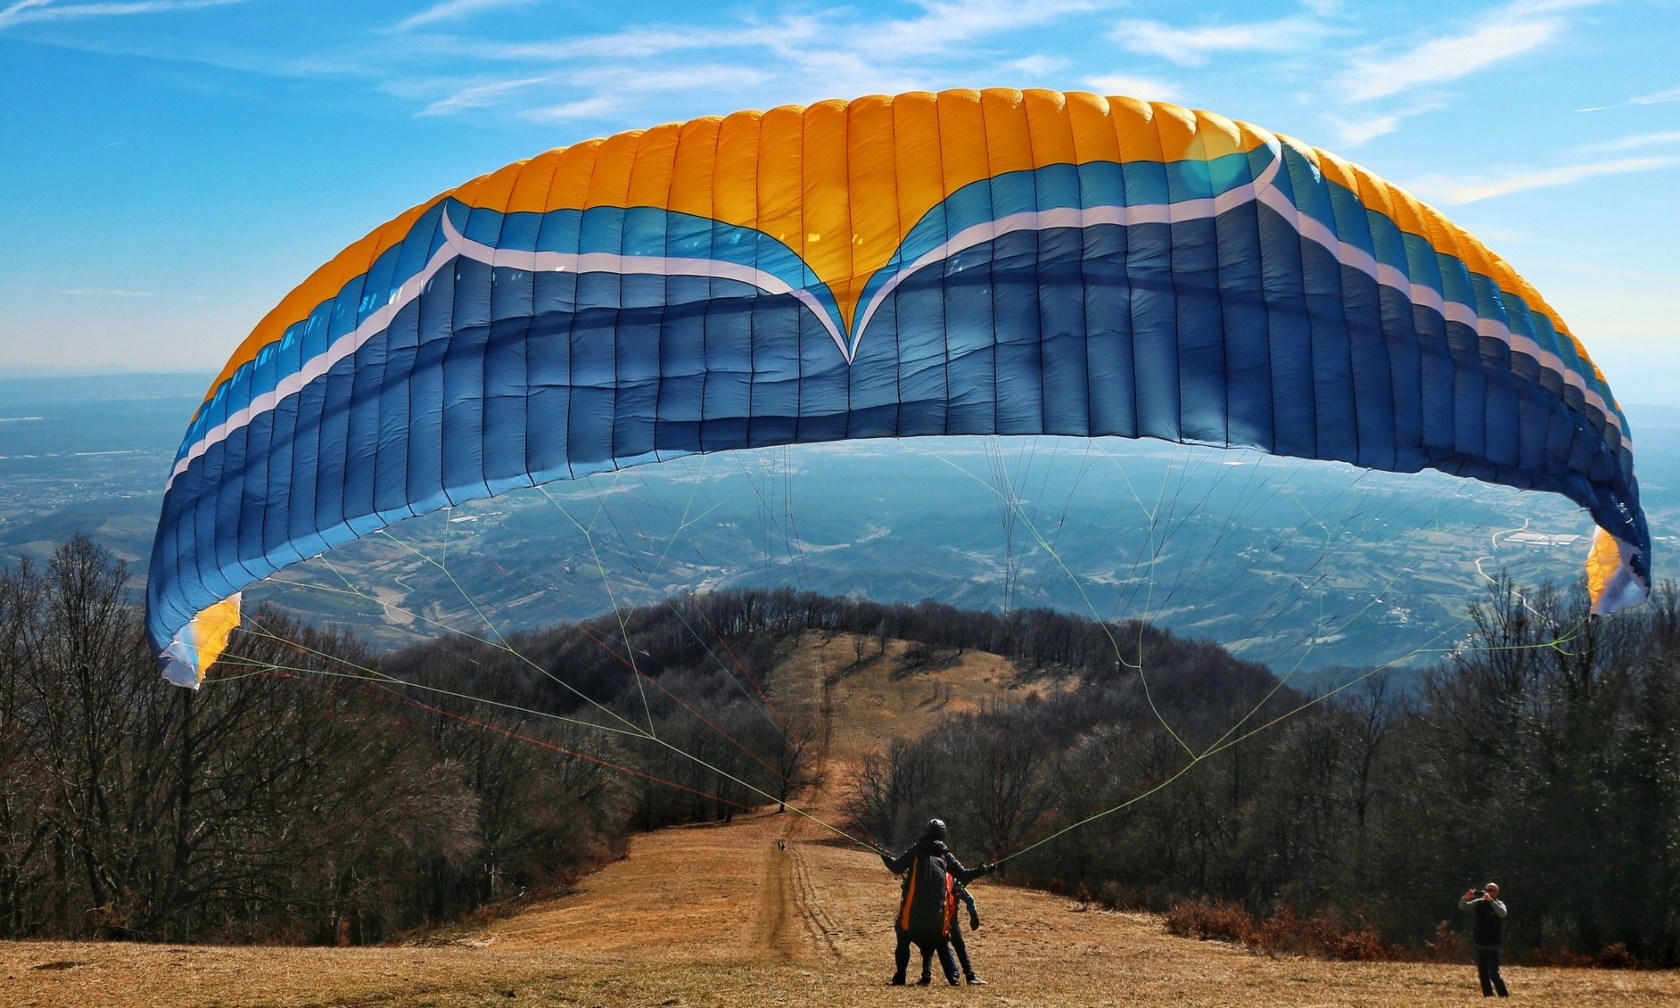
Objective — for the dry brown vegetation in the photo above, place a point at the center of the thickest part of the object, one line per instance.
(722, 915)
(719, 916)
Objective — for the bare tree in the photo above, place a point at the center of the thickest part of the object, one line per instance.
(889, 789)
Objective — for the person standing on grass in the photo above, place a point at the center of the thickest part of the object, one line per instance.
(927, 902)
(1488, 936)
(960, 893)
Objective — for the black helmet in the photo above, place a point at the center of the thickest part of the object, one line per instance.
(935, 829)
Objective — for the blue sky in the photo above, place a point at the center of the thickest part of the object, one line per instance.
(170, 168)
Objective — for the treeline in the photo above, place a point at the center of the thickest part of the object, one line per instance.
(1544, 754)
(679, 695)
(316, 792)
(283, 802)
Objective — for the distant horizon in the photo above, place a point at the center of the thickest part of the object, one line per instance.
(24, 371)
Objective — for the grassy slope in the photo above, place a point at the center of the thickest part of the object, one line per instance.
(721, 915)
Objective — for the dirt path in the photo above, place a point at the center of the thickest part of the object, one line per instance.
(792, 922)
(753, 890)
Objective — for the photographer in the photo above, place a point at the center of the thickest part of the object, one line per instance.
(1488, 935)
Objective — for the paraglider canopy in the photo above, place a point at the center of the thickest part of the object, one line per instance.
(969, 262)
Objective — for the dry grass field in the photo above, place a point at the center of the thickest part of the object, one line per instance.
(723, 916)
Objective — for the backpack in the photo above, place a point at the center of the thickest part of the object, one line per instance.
(929, 897)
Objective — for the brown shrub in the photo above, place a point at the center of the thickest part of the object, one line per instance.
(1323, 936)
(1211, 922)
(1359, 944)
(1563, 957)
(1283, 932)
(1448, 945)
(1280, 932)
(1084, 896)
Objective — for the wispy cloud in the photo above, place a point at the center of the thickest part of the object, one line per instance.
(1512, 30)
(19, 11)
(795, 57)
(25, 11)
(941, 28)
(595, 89)
(1634, 142)
(1355, 132)
(608, 89)
(1193, 46)
(588, 108)
(1456, 190)
(947, 25)
(106, 292)
(466, 57)
(1672, 94)
(482, 95)
(1037, 65)
(1660, 98)
(452, 9)
(1146, 88)
(639, 43)
(109, 292)
(669, 81)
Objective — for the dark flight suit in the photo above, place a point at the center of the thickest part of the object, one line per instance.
(926, 847)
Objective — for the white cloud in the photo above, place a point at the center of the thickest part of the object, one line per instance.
(1456, 190)
(1514, 29)
(1133, 87)
(452, 9)
(107, 292)
(1673, 94)
(20, 11)
(680, 78)
(1352, 133)
(1037, 65)
(720, 61)
(1661, 97)
(942, 27)
(641, 43)
(1635, 142)
(607, 89)
(24, 11)
(799, 57)
(947, 25)
(1193, 46)
(588, 108)
(482, 95)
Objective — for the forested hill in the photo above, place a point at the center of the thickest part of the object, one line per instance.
(717, 645)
